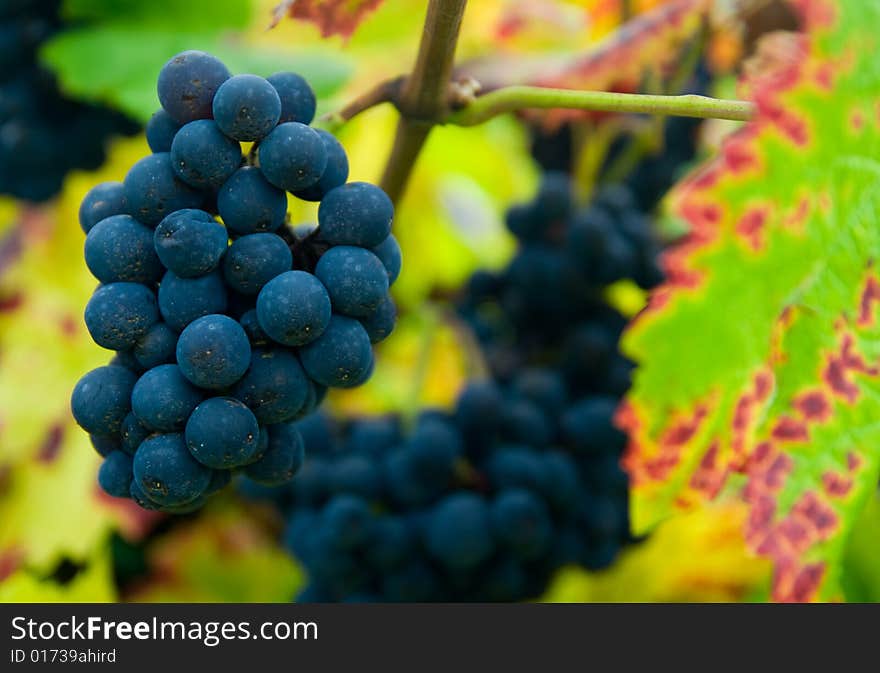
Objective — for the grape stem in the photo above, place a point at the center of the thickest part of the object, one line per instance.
(423, 94)
(515, 98)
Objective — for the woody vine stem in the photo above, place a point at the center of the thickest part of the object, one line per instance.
(424, 97)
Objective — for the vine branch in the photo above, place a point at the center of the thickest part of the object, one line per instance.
(423, 96)
(515, 98)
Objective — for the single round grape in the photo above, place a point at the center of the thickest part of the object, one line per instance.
(153, 190)
(246, 107)
(249, 204)
(119, 314)
(274, 387)
(101, 399)
(166, 471)
(190, 243)
(254, 260)
(251, 326)
(282, 459)
(356, 213)
(380, 323)
(341, 356)
(187, 84)
(104, 445)
(222, 433)
(119, 248)
(294, 308)
(140, 498)
(292, 156)
(182, 300)
(298, 102)
(100, 202)
(202, 156)
(355, 280)
(357, 475)
(156, 347)
(213, 352)
(521, 522)
(160, 131)
(388, 252)
(588, 426)
(163, 399)
(335, 173)
(114, 476)
(348, 521)
(458, 532)
(132, 433)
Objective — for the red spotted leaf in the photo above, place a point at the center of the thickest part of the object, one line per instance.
(759, 359)
(333, 17)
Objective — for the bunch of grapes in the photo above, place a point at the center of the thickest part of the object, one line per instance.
(220, 347)
(524, 477)
(547, 307)
(43, 134)
(484, 503)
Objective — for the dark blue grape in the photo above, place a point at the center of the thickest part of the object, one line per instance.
(458, 533)
(524, 423)
(187, 84)
(190, 243)
(213, 352)
(517, 467)
(373, 437)
(153, 190)
(357, 475)
(381, 323)
(167, 473)
(388, 252)
(341, 356)
(254, 260)
(357, 213)
(274, 387)
(128, 360)
(104, 445)
(347, 520)
(119, 314)
(249, 204)
(521, 522)
(163, 399)
(222, 433)
(132, 433)
(297, 98)
(142, 499)
(102, 201)
(355, 280)
(391, 542)
(156, 347)
(182, 300)
(415, 582)
(101, 399)
(588, 426)
(282, 459)
(115, 474)
(478, 409)
(294, 308)
(202, 156)
(335, 173)
(292, 156)
(246, 107)
(119, 248)
(251, 327)
(160, 131)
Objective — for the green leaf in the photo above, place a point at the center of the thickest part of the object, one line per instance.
(759, 369)
(93, 585)
(171, 15)
(117, 63)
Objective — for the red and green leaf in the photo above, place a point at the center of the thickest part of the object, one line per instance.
(760, 357)
(333, 17)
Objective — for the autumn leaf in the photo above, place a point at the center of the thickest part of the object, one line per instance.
(759, 359)
(333, 17)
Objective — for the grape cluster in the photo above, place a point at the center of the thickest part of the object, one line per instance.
(487, 502)
(484, 503)
(43, 134)
(547, 306)
(220, 347)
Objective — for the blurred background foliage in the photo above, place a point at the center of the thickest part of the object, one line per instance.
(60, 540)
